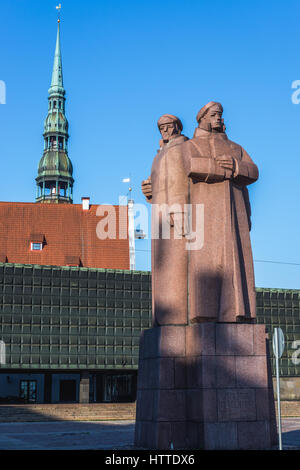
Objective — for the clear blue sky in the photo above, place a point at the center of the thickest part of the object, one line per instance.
(127, 62)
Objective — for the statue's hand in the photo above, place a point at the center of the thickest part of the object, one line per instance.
(227, 162)
(147, 188)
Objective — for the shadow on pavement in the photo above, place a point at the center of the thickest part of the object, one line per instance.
(69, 435)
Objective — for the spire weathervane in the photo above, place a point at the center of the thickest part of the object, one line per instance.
(58, 8)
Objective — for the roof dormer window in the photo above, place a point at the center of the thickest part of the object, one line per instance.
(36, 246)
(37, 241)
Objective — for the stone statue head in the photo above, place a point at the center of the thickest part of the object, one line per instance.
(210, 117)
(169, 126)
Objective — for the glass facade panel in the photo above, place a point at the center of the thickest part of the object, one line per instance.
(51, 317)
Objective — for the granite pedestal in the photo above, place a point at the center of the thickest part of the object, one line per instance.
(205, 386)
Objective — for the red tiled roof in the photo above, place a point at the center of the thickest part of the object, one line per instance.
(68, 231)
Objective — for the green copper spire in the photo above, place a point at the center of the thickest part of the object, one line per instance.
(55, 170)
(57, 75)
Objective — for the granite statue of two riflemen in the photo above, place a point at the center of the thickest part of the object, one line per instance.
(204, 369)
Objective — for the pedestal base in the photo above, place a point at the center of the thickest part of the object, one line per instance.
(206, 386)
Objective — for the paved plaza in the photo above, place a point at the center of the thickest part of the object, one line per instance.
(291, 433)
(85, 435)
(67, 435)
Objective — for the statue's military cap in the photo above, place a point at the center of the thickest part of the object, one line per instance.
(165, 118)
(205, 108)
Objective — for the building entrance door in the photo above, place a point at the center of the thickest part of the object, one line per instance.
(117, 388)
(67, 391)
(28, 390)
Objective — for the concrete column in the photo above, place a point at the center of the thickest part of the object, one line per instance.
(84, 387)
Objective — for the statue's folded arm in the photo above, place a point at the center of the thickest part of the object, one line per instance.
(205, 169)
(201, 168)
(246, 172)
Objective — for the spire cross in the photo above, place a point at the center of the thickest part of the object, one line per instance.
(58, 8)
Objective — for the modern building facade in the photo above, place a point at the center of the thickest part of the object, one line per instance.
(72, 334)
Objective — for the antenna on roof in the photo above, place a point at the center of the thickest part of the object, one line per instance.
(128, 180)
(131, 231)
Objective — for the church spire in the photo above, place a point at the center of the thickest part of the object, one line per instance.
(54, 180)
(57, 75)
